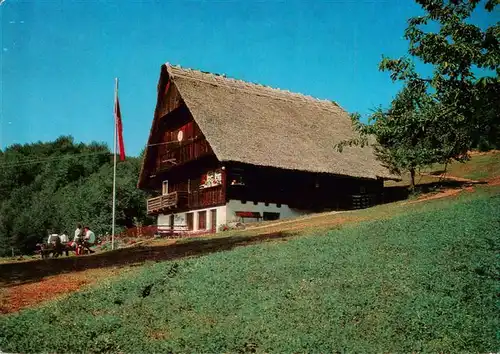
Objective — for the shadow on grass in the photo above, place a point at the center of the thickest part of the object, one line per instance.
(27, 272)
(398, 193)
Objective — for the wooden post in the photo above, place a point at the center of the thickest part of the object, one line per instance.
(224, 184)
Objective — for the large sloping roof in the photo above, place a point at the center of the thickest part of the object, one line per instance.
(259, 125)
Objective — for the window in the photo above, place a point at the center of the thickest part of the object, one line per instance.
(237, 181)
(266, 204)
(202, 220)
(164, 188)
(271, 216)
(278, 205)
(255, 203)
(236, 177)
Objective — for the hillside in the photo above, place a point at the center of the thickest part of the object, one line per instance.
(22, 278)
(421, 280)
(50, 187)
(482, 166)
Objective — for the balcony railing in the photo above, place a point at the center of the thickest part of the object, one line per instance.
(168, 201)
(206, 198)
(174, 201)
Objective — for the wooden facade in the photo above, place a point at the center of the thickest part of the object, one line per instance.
(180, 145)
(184, 158)
(300, 190)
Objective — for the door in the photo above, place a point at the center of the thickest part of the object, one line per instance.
(202, 220)
(189, 221)
(213, 219)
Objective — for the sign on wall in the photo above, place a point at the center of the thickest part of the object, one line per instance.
(211, 179)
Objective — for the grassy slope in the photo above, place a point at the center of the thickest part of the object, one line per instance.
(419, 281)
(479, 167)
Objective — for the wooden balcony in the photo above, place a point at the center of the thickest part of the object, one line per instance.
(207, 198)
(167, 202)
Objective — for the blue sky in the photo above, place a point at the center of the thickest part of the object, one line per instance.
(59, 58)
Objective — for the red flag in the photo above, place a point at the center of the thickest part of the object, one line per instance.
(119, 128)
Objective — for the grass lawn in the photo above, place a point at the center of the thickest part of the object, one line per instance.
(478, 167)
(420, 281)
(481, 166)
(420, 179)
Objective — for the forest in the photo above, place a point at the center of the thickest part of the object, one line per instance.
(50, 187)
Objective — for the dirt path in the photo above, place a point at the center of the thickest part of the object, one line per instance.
(17, 297)
(441, 194)
(26, 284)
(450, 177)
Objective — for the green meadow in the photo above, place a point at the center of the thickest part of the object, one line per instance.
(425, 280)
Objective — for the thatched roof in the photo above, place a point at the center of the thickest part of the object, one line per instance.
(259, 125)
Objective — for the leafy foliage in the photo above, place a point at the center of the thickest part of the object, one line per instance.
(411, 134)
(441, 117)
(432, 290)
(471, 104)
(50, 187)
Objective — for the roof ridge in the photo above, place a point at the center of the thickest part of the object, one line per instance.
(256, 88)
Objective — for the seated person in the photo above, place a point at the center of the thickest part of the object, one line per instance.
(77, 240)
(89, 238)
(53, 239)
(55, 242)
(65, 242)
(64, 237)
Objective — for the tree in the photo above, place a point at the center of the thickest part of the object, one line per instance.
(440, 117)
(409, 135)
(455, 51)
(49, 187)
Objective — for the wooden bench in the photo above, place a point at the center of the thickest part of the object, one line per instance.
(167, 230)
(248, 214)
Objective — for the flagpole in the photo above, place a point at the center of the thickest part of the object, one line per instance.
(114, 170)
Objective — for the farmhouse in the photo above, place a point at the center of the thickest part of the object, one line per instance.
(221, 150)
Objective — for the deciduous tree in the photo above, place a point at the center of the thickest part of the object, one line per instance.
(442, 116)
(49, 187)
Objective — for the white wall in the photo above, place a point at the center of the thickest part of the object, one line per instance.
(180, 218)
(284, 211)
(226, 213)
